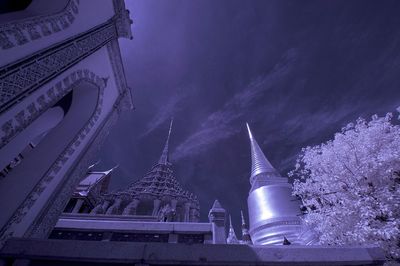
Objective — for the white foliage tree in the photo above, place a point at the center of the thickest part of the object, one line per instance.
(350, 186)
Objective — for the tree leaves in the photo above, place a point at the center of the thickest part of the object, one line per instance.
(350, 186)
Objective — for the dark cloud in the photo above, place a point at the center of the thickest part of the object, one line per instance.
(297, 71)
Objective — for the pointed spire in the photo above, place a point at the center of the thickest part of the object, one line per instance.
(216, 205)
(243, 221)
(93, 165)
(231, 239)
(246, 239)
(164, 159)
(259, 163)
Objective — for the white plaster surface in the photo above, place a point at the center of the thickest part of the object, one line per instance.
(191, 254)
(91, 14)
(85, 222)
(18, 184)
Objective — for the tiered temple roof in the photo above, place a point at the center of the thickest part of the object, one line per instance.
(158, 193)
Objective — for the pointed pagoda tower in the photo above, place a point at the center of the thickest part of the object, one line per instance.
(273, 211)
(231, 239)
(157, 196)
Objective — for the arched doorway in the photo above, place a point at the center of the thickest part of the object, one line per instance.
(19, 183)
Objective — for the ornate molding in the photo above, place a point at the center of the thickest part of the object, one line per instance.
(23, 31)
(122, 20)
(119, 74)
(68, 84)
(45, 223)
(20, 80)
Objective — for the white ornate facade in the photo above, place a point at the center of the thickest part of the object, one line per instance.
(62, 86)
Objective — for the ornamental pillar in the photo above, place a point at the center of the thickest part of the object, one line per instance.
(186, 212)
(77, 206)
(216, 217)
(173, 204)
(115, 207)
(156, 204)
(130, 209)
(173, 210)
(192, 215)
(100, 208)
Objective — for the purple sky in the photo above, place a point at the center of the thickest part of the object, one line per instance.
(297, 71)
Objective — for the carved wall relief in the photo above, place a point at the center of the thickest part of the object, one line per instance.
(23, 31)
(68, 84)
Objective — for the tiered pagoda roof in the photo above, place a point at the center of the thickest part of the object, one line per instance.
(159, 182)
(158, 193)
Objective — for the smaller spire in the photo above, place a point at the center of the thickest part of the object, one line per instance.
(93, 165)
(231, 239)
(246, 239)
(243, 221)
(164, 159)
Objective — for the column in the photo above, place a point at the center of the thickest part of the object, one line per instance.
(100, 208)
(78, 206)
(156, 204)
(173, 204)
(216, 217)
(192, 215)
(173, 208)
(115, 207)
(105, 206)
(186, 212)
(130, 209)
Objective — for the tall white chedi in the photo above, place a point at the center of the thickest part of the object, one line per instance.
(274, 213)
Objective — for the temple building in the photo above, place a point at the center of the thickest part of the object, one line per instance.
(157, 194)
(154, 208)
(62, 87)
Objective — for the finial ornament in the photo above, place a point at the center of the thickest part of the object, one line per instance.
(93, 165)
(243, 221)
(111, 170)
(259, 163)
(231, 239)
(164, 159)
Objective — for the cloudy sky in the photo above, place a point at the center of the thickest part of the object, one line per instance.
(297, 71)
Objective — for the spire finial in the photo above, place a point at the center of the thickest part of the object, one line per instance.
(248, 129)
(246, 239)
(164, 159)
(259, 163)
(231, 239)
(93, 165)
(243, 221)
(112, 169)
